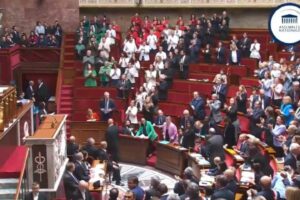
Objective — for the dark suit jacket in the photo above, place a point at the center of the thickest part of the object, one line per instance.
(268, 194)
(163, 90)
(81, 173)
(72, 148)
(184, 121)
(188, 140)
(221, 56)
(111, 104)
(42, 94)
(112, 139)
(214, 147)
(199, 105)
(92, 150)
(160, 120)
(70, 185)
(290, 160)
(223, 193)
(29, 93)
(42, 196)
(123, 85)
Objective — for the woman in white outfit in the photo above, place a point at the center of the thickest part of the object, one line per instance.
(254, 50)
(140, 97)
(131, 113)
(150, 78)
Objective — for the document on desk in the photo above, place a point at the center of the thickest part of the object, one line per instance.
(164, 142)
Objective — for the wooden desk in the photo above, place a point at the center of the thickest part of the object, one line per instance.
(133, 149)
(197, 164)
(171, 158)
(238, 160)
(83, 130)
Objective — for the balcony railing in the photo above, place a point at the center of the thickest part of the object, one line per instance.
(183, 3)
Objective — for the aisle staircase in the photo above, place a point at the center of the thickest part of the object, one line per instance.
(66, 78)
(8, 188)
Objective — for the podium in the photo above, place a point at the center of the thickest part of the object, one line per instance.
(48, 153)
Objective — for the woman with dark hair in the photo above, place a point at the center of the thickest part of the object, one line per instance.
(241, 99)
(229, 133)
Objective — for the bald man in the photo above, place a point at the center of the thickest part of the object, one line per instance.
(267, 192)
(72, 147)
(185, 119)
(230, 175)
(90, 148)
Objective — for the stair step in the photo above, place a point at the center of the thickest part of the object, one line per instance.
(66, 103)
(66, 98)
(67, 86)
(70, 92)
(6, 183)
(7, 194)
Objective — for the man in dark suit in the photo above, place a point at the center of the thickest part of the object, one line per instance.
(255, 114)
(162, 88)
(112, 166)
(82, 193)
(221, 192)
(90, 148)
(160, 119)
(123, 87)
(221, 54)
(265, 100)
(112, 139)
(232, 184)
(42, 93)
(71, 183)
(198, 106)
(291, 158)
(266, 192)
(36, 194)
(214, 146)
(29, 92)
(72, 147)
(245, 44)
(294, 93)
(186, 119)
(81, 171)
(220, 89)
(107, 106)
(184, 65)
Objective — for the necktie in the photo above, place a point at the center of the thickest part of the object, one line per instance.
(167, 134)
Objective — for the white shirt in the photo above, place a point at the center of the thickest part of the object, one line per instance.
(111, 33)
(254, 49)
(36, 196)
(152, 40)
(266, 85)
(39, 30)
(162, 55)
(104, 45)
(129, 48)
(159, 65)
(144, 52)
(131, 113)
(131, 73)
(123, 62)
(178, 33)
(115, 74)
(234, 56)
(172, 42)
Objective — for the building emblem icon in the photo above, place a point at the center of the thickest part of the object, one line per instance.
(289, 19)
(40, 168)
(284, 24)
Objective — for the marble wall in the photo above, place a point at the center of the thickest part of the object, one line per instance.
(240, 18)
(25, 13)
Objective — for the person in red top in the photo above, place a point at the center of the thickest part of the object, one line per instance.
(159, 26)
(92, 116)
(132, 32)
(180, 21)
(165, 21)
(139, 40)
(117, 28)
(147, 24)
(193, 20)
(155, 21)
(145, 34)
(136, 19)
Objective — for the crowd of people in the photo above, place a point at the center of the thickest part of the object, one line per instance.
(43, 36)
(272, 109)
